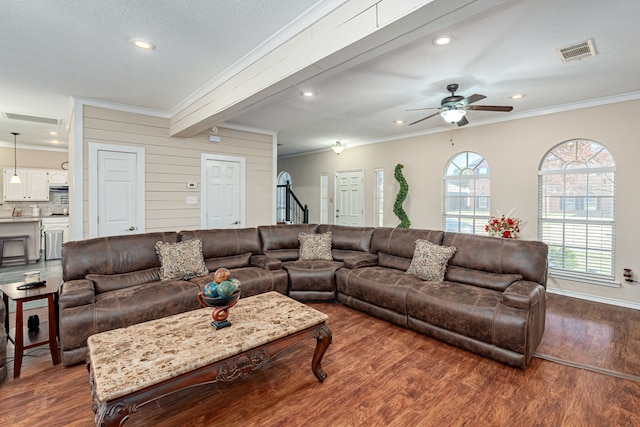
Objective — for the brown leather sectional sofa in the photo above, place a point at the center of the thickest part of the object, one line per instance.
(491, 302)
(3, 343)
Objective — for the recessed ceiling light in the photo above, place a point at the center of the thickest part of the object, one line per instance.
(308, 93)
(53, 133)
(517, 96)
(55, 141)
(442, 40)
(399, 122)
(142, 44)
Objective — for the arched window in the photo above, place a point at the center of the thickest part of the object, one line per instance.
(466, 196)
(577, 210)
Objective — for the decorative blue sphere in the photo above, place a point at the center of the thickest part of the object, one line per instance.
(211, 290)
(225, 289)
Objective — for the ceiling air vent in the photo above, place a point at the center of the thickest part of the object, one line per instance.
(577, 51)
(36, 119)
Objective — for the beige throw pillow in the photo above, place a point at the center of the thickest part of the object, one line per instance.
(315, 247)
(182, 260)
(430, 261)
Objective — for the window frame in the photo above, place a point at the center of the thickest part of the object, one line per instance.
(324, 198)
(480, 201)
(378, 203)
(577, 230)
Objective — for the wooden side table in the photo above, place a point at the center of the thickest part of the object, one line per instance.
(48, 333)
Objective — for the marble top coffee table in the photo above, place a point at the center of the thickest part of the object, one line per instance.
(132, 366)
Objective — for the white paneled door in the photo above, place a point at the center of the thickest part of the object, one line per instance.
(117, 193)
(224, 197)
(350, 198)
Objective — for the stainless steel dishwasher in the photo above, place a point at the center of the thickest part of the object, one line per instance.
(53, 244)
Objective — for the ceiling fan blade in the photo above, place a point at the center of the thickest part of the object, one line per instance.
(463, 121)
(425, 108)
(428, 117)
(502, 108)
(473, 98)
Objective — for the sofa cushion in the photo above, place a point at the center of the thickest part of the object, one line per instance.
(112, 282)
(315, 247)
(348, 238)
(181, 260)
(235, 261)
(470, 311)
(392, 261)
(495, 281)
(284, 254)
(276, 237)
(430, 261)
(225, 242)
(401, 241)
(383, 287)
(496, 255)
(112, 255)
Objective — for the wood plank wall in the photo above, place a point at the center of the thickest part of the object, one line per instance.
(172, 162)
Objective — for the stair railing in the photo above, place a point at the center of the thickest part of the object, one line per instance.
(293, 211)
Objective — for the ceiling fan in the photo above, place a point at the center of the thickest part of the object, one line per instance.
(455, 107)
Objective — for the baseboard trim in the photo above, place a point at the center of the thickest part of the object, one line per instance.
(588, 297)
(591, 368)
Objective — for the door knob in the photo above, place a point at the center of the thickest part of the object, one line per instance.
(236, 222)
(132, 228)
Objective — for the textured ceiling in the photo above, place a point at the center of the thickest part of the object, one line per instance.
(56, 49)
(503, 50)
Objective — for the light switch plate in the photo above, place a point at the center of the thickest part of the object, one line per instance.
(192, 200)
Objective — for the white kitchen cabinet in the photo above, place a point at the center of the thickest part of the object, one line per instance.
(33, 187)
(58, 177)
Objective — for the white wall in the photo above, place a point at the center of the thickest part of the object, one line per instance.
(514, 150)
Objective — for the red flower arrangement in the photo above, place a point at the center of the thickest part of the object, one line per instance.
(503, 226)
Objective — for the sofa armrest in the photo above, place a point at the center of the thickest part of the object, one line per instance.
(358, 261)
(266, 262)
(75, 293)
(523, 294)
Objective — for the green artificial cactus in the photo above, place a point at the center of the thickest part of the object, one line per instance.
(402, 194)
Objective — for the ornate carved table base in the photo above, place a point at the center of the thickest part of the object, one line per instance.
(116, 412)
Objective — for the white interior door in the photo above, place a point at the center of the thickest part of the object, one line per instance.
(116, 190)
(117, 184)
(223, 192)
(349, 198)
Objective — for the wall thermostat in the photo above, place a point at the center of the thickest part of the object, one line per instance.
(192, 185)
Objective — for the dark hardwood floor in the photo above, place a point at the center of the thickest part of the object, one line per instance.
(382, 375)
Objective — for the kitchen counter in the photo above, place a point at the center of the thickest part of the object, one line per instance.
(17, 219)
(16, 226)
(25, 218)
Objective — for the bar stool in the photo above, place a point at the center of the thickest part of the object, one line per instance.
(25, 249)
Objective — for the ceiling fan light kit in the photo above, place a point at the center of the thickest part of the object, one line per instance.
(454, 107)
(453, 116)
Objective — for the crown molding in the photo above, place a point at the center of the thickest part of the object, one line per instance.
(114, 106)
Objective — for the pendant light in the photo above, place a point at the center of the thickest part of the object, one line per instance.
(15, 179)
